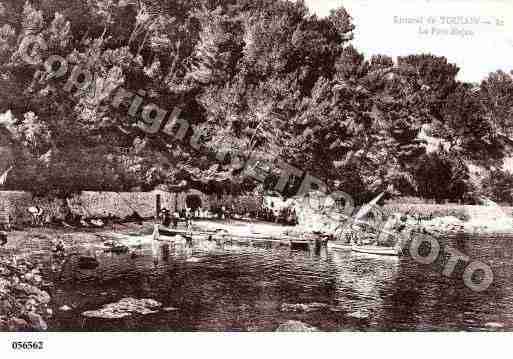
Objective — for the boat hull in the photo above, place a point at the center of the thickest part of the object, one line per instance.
(169, 232)
(340, 247)
(382, 251)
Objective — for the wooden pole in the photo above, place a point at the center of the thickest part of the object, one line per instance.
(158, 205)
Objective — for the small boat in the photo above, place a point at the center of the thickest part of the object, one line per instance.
(115, 247)
(299, 244)
(170, 232)
(341, 246)
(377, 250)
(165, 234)
(365, 234)
(119, 249)
(166, 231)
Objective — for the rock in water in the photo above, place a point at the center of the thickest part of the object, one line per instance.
(40, 295)
(36, 322)
(296, 326)
(170, 309)
(303, 307)
(359, 315)
(17, 325)
(494, 325)
(294, 307)
(124, 308)
(193, 260)
(317, 306)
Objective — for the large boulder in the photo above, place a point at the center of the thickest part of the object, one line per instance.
(124, 308)
(286, 307)
(36, 322)
(17, 325)
(39, 295)
(296, 326)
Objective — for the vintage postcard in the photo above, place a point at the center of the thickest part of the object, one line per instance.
(254, 166)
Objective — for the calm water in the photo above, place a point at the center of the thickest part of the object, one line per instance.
(242, 288)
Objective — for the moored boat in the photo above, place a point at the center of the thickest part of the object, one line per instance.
(340, 246)
(377, 250)
(299, 244)
(165, 231)
(171, 232)
(362, 236)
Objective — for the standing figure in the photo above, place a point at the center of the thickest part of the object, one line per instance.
(40, 216)
(33, 213)
(166, 217)
(156, 233)
(176, 217)
(188, 218)
(3, 237)
(5, 225)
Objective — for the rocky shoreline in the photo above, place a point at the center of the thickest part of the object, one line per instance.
(475, 227)
(24, 302)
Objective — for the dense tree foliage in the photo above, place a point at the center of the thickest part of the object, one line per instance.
(498, 185)
(262, 79)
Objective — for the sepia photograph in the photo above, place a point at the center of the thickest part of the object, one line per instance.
(255, 166)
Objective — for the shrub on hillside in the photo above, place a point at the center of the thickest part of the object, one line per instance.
(427, 211)
(409, 200)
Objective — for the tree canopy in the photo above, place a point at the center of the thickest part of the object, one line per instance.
(264, 79)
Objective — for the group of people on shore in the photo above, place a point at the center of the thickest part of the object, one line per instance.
(5, 225)
(167, 218)
(39, 217)
(286, 215)
(66, 218)
(187, 215)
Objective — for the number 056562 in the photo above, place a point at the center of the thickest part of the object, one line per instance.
(27, 345)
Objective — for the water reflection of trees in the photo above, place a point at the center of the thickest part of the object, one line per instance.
(424, 299)
(362, 281)
(399, 294)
